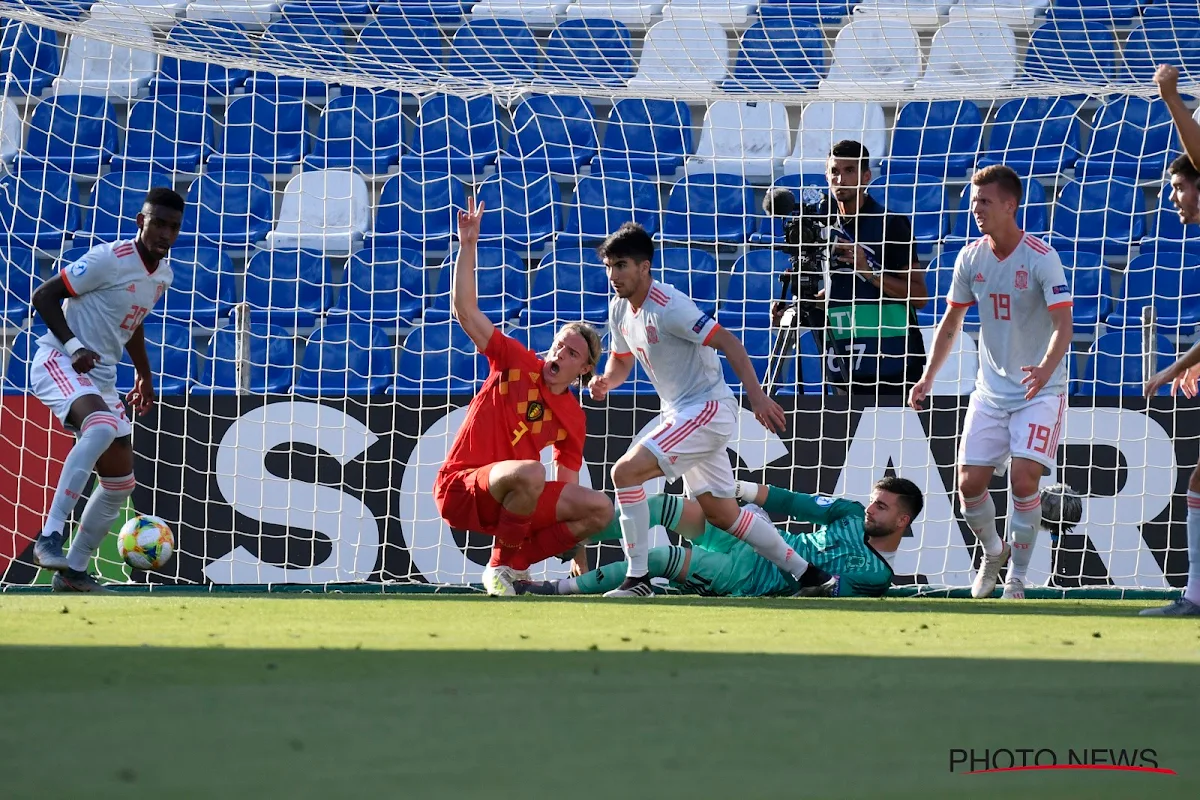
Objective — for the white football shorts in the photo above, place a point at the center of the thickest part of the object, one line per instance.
(57, 385)
(991, 436)
(691, 444)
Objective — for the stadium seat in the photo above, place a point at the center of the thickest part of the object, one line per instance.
(399, 48)
(921, 198)
(531, 12)
(167, 135)
(957, 376)
(521, 210)
(343, 359)
(941, 138)
(1169, 282)
(1173, 40)
(1019, 15)
(971, 55)
(299, 43)
(439, 359)
(453, 135)
(343, 13)
(1087, 275)
(157, 13)
(10, 131)
(730, 13)
(1102, 216)
(28, 58)
(1080, 52)
(204, 289)
(570, 285)
(747, 299)
(776, 54)
(417, 210)
(93, 65)
(873, 55)
(115, 201)
(538, 338)
(1106, 12)
(639, 13)
(818, 12)
(262, 134)
(359, 131)
(1114, 366)
(551, 133)
(602, 203)
(692, 271)
(747, 139)
(1165, 231)
(1032, 214)
(769, 229)
(20, 356)
(328, 211)
(172, 360)
(272, 360)
(231, 209)
(494, 50)
(385, 286)
(920, 14)
(939, 276)
(682, 55)
(442, 12)
(19, 274)
(1133, 138)
(650, 137)
(224, 39)
(1171, 9)
(37, 208)
(823, 123)
(589, 52)
(714, 208)
(502, 287)
(253, 13)
(759, 343)
(289, 288)
(1034, 136)
(75, 133)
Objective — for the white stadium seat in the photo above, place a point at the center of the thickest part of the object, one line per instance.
(971, 54)
(682, 55)
(957, 375)
(158, 13)
(93, 66)
(327, 210)
(823, 123)
(872, 55)
(10, 130)
(921, 14)
(531, 12)
(747, 139)
(243, 12)
(725, 12)
(631, 12)
(1019, 14)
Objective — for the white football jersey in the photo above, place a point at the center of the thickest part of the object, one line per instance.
(668, 335)
(111, 293)
(1015, 297)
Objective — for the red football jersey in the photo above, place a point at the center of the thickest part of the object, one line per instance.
(515, 416)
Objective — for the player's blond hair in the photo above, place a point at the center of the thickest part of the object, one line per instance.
(592, 338)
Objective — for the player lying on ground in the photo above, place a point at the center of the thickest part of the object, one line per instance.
(854, 545)
(493, 480)
(94, 309)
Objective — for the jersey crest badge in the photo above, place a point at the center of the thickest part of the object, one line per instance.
(651, 334)
(1021, 281)
(534, 412)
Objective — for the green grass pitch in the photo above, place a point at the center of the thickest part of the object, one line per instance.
(468, 697)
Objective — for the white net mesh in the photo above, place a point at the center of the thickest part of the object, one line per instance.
(324, 147)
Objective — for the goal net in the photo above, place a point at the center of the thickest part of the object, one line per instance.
(310, 375)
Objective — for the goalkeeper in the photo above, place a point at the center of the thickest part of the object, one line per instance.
(853, 544)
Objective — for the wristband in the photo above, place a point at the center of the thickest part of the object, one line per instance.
(73, 346)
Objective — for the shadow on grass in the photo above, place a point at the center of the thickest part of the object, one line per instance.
(152, 722)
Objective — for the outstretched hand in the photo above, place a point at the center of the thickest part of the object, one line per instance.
(468, 223)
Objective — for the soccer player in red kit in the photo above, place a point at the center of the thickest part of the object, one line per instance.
(493, 481)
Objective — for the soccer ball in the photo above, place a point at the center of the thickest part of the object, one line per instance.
(146, 542)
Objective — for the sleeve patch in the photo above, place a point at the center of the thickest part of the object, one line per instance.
(1061, 289)
(78, 268)
(701, 323)
(823, 501)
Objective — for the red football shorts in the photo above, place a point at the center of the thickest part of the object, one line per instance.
(465, 501)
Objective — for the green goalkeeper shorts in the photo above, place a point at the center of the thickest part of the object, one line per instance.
(724, 566)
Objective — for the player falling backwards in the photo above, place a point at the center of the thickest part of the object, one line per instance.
(854, 544)
(1017, 408)
(107, 293)
(662, 329)
(493, 481)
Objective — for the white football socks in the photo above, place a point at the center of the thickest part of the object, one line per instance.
(98, 516)
(96, 434)
(760, 534)
(1026, 519)
(980, 514)
(1192, 592)
(634, 514)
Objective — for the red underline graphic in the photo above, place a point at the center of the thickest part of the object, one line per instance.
(1121, 767)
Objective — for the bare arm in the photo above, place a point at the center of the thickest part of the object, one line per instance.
(1167, 78)
(142, 394)
(463, 299)
(1037, 376)
(1182, 375)
(47, 302)
(616, 372)
(766, 410)
(943, 340)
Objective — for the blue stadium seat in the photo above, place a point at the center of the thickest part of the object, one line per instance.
(522, 210)
(1103, 216)
(940, 138)
(346, 13)
(921, 198)
(767, 261)
(939, 275)
(551, 133)
(37, 208)
(19, 276)
(218, 37)
(272, 361)
(758, 341)
(343, 359)
(811, 379)
(589, 52)
(1165, 231)
(289, 288)
(769, 229)
(1115, 365)
(304, 43)
(1034, 136)
(262, 134)
(1079, 52)
(650, 137)
(417, 210)
(399, 47)
(570, 285)
(713, 208)
(827, 12)
(603, 203)
(443, 12)
(75, 133)
(1174, 40)
(62, 10)
(385, 286)
(501, 286)
(454, 135)
(1106, 12)
(494, 50)
(359, 131)
(16, 373)
(1132, 137)
(29, 58)
(538, 338)
(204, 289)
(1087, 276)
(1172, 9)
(1168, 282)
(172, 359)
(231, 209)
(115, 202)
(747, 299)
(777, 54)
(692, 271)
(1032, 215)
(637, 384)
(439, 359)
(169, 134)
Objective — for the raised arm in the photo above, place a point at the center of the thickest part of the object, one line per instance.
(766, 410)
(1167, 78)
(463, 300)
(47, 302)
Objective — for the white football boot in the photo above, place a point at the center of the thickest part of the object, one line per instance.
(989, 573)
(499, 581)
(1014, 589)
